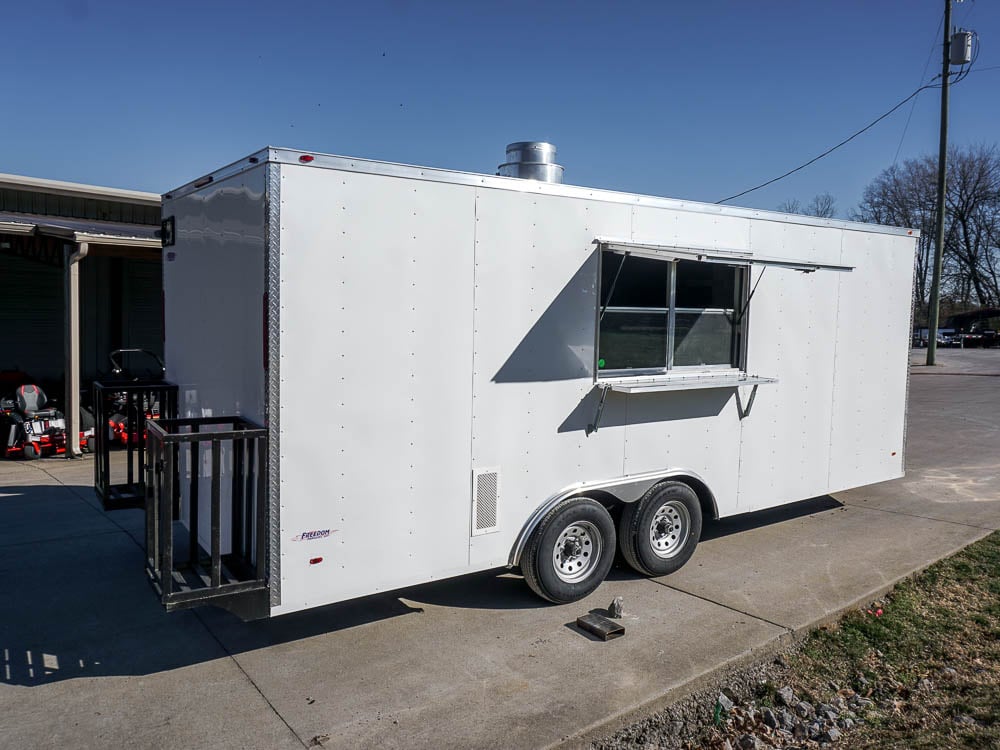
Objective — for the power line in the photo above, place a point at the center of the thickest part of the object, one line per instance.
(829, 151)
(959, 76)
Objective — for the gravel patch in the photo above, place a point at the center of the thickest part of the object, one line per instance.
(753, 708)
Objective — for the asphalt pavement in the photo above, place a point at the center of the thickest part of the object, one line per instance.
(90, 659)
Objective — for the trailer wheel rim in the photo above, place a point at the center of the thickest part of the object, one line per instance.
(577, 551)
(669, 529)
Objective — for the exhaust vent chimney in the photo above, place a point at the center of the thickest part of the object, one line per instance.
(531, 160)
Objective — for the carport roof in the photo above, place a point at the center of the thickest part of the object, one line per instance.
(80, 230)
(77, 190)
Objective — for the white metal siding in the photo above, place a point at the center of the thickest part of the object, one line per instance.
(785, 444)
(214, 282)
(694, 430)
(873, 342)
(376, 377)
(214, 276)
(431, 331)
(661, 226)
(536, 312)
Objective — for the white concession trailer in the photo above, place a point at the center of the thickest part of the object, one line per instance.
(391, 374)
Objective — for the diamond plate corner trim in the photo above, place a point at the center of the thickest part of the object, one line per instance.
(909, 363)
(273, 409)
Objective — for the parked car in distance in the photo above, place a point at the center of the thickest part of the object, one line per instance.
(945, 337)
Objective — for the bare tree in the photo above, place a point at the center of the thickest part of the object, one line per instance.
(822, 205)
(973, 204)
(905, 195)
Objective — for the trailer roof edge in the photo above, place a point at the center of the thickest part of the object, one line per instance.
(434, 174)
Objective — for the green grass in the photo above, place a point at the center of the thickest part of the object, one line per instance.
(926, 657)
(942, 626)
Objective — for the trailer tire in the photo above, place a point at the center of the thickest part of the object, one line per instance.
(658, 533)
(570, 552)
(31, 451)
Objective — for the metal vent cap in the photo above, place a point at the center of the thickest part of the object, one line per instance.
(531, 160)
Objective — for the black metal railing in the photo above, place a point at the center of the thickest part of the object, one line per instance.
(186, 463)
(120, 413)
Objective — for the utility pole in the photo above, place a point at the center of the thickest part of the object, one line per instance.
(932, 323)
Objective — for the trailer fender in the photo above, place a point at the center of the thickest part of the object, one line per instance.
(623, 489)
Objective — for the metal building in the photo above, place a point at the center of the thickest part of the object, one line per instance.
(71, 248)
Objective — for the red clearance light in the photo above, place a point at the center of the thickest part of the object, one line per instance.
(316, 560)
(305, 158)
(203, 181)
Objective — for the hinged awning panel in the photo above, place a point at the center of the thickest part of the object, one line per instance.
(709, 255)
(684, 383)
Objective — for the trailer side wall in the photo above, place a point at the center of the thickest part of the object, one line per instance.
(438, 348)
(432, 332)
(377, 301)
(213, 280)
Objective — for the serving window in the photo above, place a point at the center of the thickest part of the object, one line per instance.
(658, 315)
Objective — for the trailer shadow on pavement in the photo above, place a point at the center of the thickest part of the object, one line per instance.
(760, 518)
(475, 661)
(75, 602)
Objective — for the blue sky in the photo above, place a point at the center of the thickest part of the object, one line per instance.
(694, 100)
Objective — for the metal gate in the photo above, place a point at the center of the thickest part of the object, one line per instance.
(184, 574)
(120, 414)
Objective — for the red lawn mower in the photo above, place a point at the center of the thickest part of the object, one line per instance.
(30, 430)
(124, 404)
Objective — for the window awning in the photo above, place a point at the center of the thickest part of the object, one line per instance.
(708, 255)
(683, 383)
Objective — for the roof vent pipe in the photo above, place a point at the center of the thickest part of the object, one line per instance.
(531, 160)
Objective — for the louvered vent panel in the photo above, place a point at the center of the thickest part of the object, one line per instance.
(485, 501)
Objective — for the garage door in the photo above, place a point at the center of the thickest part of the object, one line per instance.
(142, 316)
(31, 311)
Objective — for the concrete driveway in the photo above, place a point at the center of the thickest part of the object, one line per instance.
(89, 659)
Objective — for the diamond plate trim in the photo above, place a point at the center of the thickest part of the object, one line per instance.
(273, 409)
(909, 350)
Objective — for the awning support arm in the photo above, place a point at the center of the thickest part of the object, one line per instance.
(744, 411)
(611, 291)
(600, 410)
(746, 305)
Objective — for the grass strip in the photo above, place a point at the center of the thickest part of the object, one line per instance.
(919, 668)
(928, 655)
